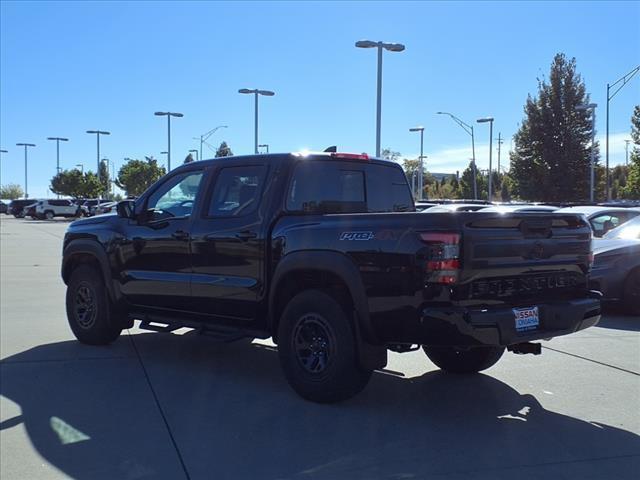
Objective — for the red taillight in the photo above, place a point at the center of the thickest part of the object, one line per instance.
(443, 257)
(350, 156)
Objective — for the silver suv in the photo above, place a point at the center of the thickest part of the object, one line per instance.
(56, 208)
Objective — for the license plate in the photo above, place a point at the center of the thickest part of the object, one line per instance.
(526, 318)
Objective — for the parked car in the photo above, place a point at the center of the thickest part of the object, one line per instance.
(325, 254)
(603, 219)
(89, 206)
(616, 265)
(30, 211)
(522, 208)
(107, 207)
(4, 207)
(627, 231)
(456, 207)
(422, 205)
(50, 209)
(16, 206)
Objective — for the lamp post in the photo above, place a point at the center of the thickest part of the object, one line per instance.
(591, 107)
(97, 134)
(469, 129)
(2, 151)
(625, 79)
(196, 152)
(392, 47)
(490, 120)
(420, 163)
(264, 145)
(168, 115)
(81, 165)
(500, 142)
(256, 92)
(58, 140)
(626, 152)
(205, 136)
(26, 146)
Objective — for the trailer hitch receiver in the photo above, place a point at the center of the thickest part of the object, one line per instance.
(524, 348)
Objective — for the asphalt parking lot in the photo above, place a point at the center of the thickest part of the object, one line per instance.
(182, 406)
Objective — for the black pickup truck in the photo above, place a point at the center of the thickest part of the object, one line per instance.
(326, 254)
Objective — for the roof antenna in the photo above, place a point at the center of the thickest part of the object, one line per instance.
(331, 149)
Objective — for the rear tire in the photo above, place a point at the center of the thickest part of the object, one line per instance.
(631, 294)
(317, 349)
(48, 215)
(89, 309)
(456, 360)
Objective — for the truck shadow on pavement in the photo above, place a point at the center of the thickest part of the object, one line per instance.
(91, 413)
(616, 319)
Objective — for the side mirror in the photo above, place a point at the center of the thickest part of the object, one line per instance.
(126, 209)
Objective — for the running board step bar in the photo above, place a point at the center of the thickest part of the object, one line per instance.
(158, 327)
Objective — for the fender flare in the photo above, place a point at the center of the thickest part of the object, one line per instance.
(371, 354)
(94, 249)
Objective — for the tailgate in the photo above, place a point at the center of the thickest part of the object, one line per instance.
(523, 255)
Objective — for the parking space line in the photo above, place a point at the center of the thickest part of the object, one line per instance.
(593, 361)
(157, 401)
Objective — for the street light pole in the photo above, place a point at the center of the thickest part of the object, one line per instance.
(97, 134)
(205, 137)
(469, 129)
(625, 79)
(490, 120)
(392, 47)
(25, 145)
(2, 151)
(626, 152)
(420, 163)
(256, 92)
(58, 140)
(591, 107)
(500, 142)
(81, 165)
(196, 152)
(169, 115)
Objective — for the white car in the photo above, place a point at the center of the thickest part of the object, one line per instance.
(56, 208)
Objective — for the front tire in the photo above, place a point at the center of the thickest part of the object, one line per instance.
(457, 360)
(89, 309)
(48, 215)
(631, 295)
(317, 349)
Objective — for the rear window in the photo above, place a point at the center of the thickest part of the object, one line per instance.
(347, 187)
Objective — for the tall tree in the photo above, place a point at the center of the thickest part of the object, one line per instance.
(76, 184)
(632, 187)
(466, 183)
(224, 150)
(11, 191)
(135, 176)
(389, 154)
(551, 158)
(105, 178)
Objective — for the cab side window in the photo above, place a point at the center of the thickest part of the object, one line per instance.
(237, 191)
(175, 198)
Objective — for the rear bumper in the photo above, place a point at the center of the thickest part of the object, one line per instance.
(496, 326)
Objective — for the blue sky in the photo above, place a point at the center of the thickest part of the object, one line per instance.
(67, 67)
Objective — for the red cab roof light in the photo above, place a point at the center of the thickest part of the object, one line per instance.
(350, 156)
